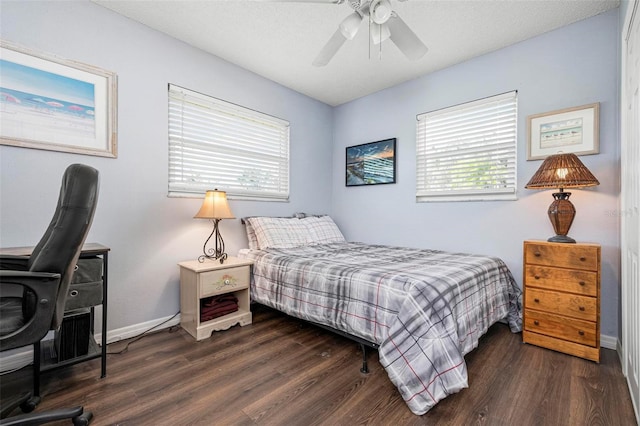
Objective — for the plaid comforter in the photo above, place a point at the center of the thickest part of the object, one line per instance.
(425, 308)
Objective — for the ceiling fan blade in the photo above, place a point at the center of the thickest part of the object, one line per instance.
(330, 49)
(303, 1)
(406, 40)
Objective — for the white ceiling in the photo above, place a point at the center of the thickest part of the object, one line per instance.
(280, 39)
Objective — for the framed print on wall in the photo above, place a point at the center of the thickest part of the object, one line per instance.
(572, 130)
(56, 104)
(371, 163)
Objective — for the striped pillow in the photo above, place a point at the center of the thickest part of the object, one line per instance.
(251, 235)
(274, 232)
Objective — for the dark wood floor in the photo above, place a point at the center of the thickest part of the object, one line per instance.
(280, 371)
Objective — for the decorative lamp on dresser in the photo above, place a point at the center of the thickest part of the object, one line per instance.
(213, 295)
(562, 297)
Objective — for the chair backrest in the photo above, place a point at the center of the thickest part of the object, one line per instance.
(59, 248)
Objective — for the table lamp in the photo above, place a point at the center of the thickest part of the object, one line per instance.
(214, 207)
(562, 171)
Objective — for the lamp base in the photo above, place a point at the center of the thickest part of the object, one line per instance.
(561, 213)
(561, 239)
(221, 257)
(217, 252)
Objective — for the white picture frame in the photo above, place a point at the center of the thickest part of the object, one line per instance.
(56, 104)
(570, 130)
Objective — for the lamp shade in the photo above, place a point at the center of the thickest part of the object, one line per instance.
(215, 206)
(562, 171)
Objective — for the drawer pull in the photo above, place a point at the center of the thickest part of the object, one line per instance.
(73, 293)
(582, 259)
(536, 322)
(536, 300)
(582, 283)
(537, 277)
(581, 308)
(536, 254)
(580, 332)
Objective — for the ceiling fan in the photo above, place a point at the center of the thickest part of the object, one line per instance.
(384, 23)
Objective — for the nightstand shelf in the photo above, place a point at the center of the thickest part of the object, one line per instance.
(562, 297)
(208, 281)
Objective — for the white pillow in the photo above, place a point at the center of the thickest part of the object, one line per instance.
(323, 230)
(275, 232)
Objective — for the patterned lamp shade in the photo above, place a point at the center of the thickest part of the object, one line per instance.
(562, 171)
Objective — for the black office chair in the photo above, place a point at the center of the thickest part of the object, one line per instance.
(28, 314)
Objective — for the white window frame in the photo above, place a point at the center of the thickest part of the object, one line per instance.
(463, 140)
(214, 144)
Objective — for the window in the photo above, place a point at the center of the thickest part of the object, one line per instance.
(468, 152)
(216, 144)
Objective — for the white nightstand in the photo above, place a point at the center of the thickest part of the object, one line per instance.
(200, 281)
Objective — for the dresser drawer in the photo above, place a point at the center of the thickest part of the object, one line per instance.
(223, 281)
(568, 304)
(583, 257)
(570, 280)
(571, 329)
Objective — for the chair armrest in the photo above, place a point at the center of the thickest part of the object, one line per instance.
(13, 262)
(45, 286)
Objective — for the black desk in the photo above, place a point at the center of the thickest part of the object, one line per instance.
(43, 361)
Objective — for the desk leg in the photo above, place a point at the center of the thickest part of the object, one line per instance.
(105, 266)
(36, 369)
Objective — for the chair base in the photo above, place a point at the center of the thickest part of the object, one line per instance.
(26, 402)
(77, 415)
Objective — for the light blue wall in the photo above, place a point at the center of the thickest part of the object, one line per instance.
(572, 66)
(148, 232)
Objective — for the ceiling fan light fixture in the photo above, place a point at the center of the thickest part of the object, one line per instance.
(349, 26)
(379, 33)
(380, 11)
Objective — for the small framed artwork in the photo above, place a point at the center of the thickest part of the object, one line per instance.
(56, 104)
(572, 130)
(371, 163)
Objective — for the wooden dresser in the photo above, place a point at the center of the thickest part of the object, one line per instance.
(562, 297)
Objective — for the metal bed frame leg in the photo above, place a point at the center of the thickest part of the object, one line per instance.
(365, 368)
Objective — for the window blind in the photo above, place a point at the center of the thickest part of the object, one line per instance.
(216, 144)
(468, 151)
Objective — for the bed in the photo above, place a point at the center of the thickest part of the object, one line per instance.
(422, 309)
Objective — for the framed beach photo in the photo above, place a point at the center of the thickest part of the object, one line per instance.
(56, 104)
(371, 163)
(572, 130)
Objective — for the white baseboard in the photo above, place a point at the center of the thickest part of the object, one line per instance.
(609, 342)
(21, 357)
(137, 329)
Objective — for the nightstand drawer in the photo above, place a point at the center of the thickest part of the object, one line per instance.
(573, 330)
(571, 280)
(223, 280)
(583, 257)
(567, 304)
